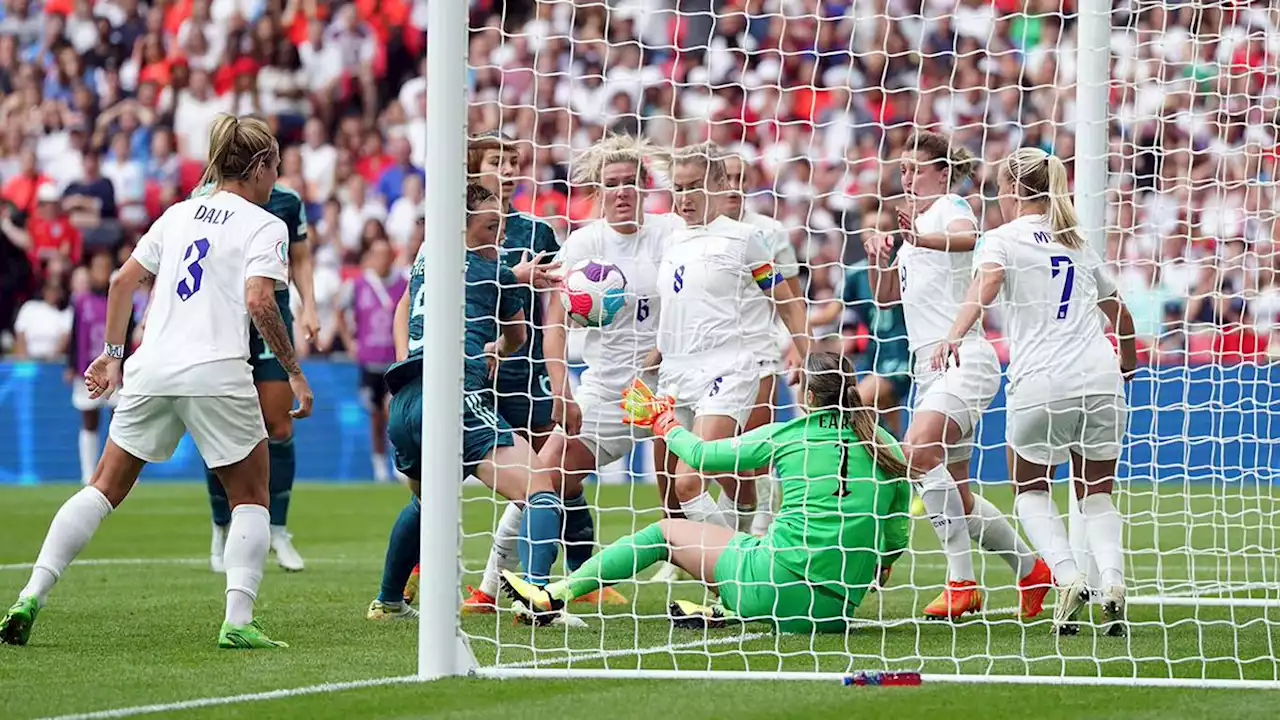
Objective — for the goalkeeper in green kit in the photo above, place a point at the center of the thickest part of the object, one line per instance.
(843, 521)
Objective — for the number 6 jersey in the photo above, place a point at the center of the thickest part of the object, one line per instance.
(1058, 348)
(615, 353)
(201, 251)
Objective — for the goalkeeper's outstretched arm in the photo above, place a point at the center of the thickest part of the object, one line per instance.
(751, 451)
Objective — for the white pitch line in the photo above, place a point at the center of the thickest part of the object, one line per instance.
(594, 655)
(321, 689)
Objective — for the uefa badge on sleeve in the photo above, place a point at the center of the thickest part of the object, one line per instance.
(282, 252)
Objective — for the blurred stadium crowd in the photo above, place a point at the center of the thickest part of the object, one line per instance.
(104, 107)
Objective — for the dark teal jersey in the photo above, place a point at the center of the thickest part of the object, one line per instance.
(524, 237)
(889, 350)
(490, 298)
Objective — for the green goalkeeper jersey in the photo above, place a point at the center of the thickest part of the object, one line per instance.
(835, 501)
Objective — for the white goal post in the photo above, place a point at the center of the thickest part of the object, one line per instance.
(1199, 484)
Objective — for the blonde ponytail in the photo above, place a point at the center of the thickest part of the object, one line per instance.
(1041, 178)
(1062, 211)
(237, 148)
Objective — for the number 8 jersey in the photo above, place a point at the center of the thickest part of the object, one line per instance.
(1058, 347)
(201, 251)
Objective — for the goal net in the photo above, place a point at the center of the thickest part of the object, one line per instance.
(819, 97)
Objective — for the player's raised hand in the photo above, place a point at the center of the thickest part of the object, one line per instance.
(533, 271)
(102, 377)
(302, 394)
(878, 246)
(907, 225)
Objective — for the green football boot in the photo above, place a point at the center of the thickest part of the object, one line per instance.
(15, 629)
(246, 637)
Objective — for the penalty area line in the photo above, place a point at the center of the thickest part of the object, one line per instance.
(323, 688)
(124, 562)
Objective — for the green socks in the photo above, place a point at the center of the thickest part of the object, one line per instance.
(620, 561)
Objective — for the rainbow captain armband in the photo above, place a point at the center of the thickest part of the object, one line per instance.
(765, 276)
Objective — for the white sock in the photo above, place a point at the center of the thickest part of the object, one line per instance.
(1106, 530)
(88, 455)
(945, 508)
(1043, 525)
(739, 515)
(994, 533)
(704, 509)
(764, 505)
(502, 553)
(248, 540)
(72, 528)
(379, 463)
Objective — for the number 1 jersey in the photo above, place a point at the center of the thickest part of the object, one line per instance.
(1058, 348)
(201, 251)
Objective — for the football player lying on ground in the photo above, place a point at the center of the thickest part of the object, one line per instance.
(842, 524)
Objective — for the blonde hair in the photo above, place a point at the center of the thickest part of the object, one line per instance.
(710, 155)
(961, 164)
(1038, 176)
(589, 167)
(238, 147)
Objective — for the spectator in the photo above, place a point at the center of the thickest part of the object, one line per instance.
(404, 212)
(21, 189)
(128, 180)
(49, 233)
(319, 162)
(43, 325)
(391, 180)
(358, 207)
(195, 109)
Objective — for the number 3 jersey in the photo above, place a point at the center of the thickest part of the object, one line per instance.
(1058, 348)
(614, 354)
(201, 251)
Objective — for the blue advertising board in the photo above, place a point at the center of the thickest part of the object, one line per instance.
(1199, 423)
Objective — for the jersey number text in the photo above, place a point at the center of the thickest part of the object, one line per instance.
(190, 284)
(1061, 264)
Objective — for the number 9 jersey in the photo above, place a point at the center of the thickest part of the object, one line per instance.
(1057, 343)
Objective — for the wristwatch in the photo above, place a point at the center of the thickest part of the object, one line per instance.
(113, 351)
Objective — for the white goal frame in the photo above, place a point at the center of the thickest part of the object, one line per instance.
(443, 650)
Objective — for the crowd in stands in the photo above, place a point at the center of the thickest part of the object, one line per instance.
(105, 104)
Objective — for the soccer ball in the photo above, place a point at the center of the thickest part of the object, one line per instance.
(594, 293)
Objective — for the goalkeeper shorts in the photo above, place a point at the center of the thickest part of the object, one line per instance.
(483, 429)
(753, 585)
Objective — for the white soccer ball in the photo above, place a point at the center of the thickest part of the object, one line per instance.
(594, 293)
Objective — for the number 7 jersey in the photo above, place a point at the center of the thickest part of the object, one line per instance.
(1058, 347)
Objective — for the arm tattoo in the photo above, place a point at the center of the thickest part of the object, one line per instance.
(272, 328)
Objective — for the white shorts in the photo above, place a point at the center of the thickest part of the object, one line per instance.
(732, 395)
(603, 432)
(1092, 427)
(81, 401)
(226, 429)
(961, 393)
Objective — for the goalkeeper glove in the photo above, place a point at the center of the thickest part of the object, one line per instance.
(641, 408)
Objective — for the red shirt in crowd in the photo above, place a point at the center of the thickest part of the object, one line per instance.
(51, 237)
(21, 191)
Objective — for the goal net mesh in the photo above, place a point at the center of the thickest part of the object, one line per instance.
(820, 97)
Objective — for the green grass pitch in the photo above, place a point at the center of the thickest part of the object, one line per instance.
(137, 625)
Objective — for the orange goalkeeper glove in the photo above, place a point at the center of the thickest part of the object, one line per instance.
(640, 407)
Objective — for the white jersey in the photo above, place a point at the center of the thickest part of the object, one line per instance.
(934, 282)
(1058, 348)
(787, 265)
(201, 251)
(708, 279)
(614, 354)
